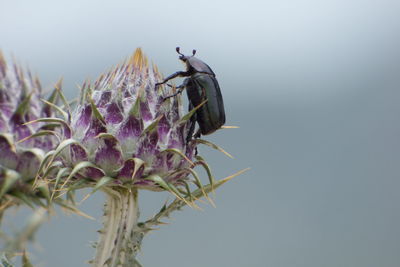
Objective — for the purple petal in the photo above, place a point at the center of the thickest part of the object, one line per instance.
(178, 177)
(85, 114)
(28, 164)
(21, 131)
(108, 155)
(113, 113)
(130, 128)
(66, 131)
(96, 127)
(105, 98)
(127, 170)
(170, 161)
(78, 154)
(92, 173)
(145, 111)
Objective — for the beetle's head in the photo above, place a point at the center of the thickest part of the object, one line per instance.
(183, 57)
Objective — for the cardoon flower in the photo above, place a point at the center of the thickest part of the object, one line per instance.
(20, 102)
(123, 129)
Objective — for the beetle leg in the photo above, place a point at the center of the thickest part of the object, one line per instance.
(197, 134)
(177, 93)
(176, 87)
(180, 89)
(174, 75)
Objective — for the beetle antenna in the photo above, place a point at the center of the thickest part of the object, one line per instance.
(177, 50)
(194, 52)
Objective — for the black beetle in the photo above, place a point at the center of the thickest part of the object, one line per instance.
(200, 85)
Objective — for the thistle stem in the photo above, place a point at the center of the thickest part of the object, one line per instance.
(121, 237)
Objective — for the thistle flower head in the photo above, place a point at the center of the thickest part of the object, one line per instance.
(20, 95)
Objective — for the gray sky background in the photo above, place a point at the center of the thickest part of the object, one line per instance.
(314, 87)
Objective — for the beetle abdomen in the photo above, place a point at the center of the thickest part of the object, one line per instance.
(211, 116)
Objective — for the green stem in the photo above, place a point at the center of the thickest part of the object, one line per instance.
(121, 237)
